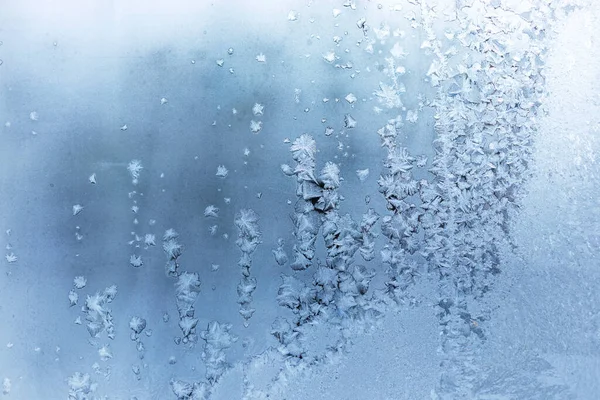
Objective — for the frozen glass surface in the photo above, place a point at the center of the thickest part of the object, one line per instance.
(300, 199)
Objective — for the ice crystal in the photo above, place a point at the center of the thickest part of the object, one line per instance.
(170, 234)
(77, 208)
(304, 147)
(105, 353)
(351, 98)
(92, 179)
(362, 174)
(349, 121)
(79, 282)
(330, 176)
(211, 211)
(11, 258)
(261, 58)
(329, 57)
(134, 167)
(397, 51)
(412, 116)
(255, 126)
(280, 255)
(135, 261)
(137, 324)
(149, 239)
(388, 96)
(81, 386)
(73, 298)
(258, 109)
(222, 172)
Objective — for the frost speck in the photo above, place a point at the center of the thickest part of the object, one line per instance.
(261, 58)
(292, 15)
(163, 101)
(79, 282)
(255, 126)
(92, 179)
(34, 116)
(11, 258)
(329, 57)
(258, 109)
(222, 172)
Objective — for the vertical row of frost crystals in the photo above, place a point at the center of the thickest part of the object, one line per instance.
(306, 219)
(401, 228)
(248, 238)
(338, 293)
(187, 288)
